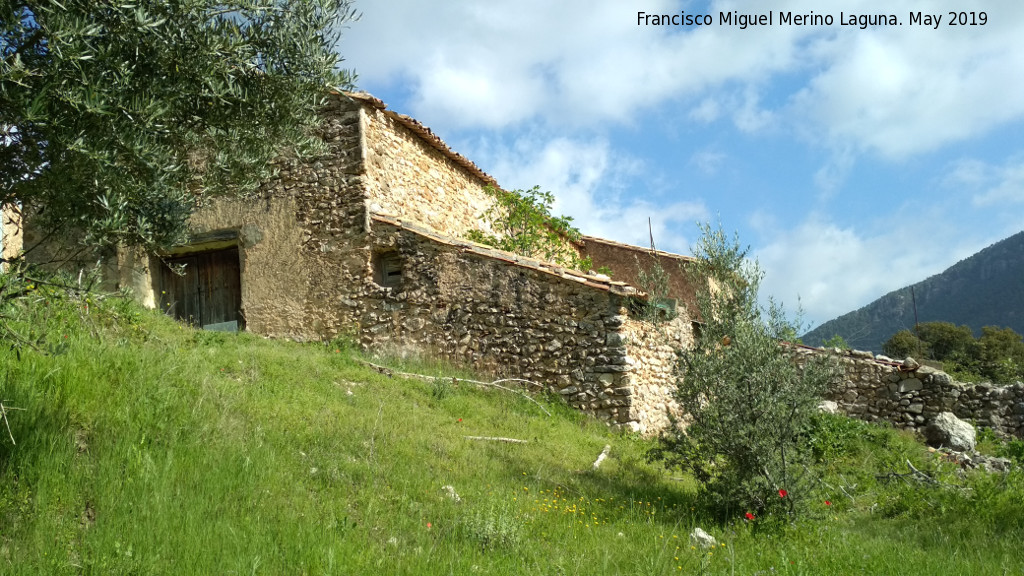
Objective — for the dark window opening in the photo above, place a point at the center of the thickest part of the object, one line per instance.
(387, 269)
(654, 308)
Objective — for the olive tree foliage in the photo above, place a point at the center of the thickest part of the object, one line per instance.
(747, 404)
(118, 117)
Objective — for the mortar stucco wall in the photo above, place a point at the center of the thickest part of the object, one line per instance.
(301, 238)
(653, 350)
(271, 262)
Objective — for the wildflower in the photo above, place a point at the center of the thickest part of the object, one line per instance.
(460, 419)
(749, 516)
(828, 503)
(782, 493)
(429, 524)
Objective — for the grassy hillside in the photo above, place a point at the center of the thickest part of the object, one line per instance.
(982, 290)
(147, 448)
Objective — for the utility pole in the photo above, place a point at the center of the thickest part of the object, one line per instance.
(917, 333)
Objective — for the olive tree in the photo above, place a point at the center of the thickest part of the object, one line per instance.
(118, 116)
(747, 403)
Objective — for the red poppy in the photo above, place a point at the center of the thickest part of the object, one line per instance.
(782, 493)
(828, 503)
(749, 516)
(460, 419)
(429, 524)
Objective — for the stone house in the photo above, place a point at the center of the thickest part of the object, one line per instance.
(366, 242)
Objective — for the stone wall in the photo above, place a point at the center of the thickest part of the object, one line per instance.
(908, 395)
(626, 263)
(519, 317)
(10, 232)
(412, 175)
(652, 378)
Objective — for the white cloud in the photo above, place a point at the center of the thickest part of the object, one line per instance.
(708, 161)
(834, 269)
(994, 185)
(571, 62)
(832, 176)
(707, 111)
(750, 116)
(896, 91)
(901, 91)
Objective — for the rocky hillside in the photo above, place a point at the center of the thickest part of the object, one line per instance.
(986, 289)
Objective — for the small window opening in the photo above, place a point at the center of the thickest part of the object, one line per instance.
(662, 309)
(387, 269)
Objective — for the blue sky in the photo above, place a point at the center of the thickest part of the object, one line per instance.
(853, 161)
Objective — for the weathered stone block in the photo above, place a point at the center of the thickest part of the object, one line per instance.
(910, 385)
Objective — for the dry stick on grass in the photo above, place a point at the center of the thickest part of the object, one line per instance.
(3, 414)
(497, 439)
(604, 454)
(914, 473)
(495, 384)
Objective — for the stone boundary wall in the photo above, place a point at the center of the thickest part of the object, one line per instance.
(515, 317)
(910, 396)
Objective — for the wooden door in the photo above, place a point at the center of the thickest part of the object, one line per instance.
(209, 294)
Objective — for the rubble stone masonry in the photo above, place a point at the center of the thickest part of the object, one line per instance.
(908, 395)
(572, 334)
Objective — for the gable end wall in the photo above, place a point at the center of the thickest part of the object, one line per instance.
(410, 179)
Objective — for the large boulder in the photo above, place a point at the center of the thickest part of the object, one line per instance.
(949, 431)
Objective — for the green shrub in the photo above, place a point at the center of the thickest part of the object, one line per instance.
(836, 341)
(832, 436)
(523, 224)
(493, 527)
(1012, 449)
(747, 402)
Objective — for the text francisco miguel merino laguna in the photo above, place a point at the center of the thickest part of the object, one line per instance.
(736, 18)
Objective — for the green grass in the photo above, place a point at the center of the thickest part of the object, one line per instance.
(149, 448)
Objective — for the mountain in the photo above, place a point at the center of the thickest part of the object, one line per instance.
(986, 289)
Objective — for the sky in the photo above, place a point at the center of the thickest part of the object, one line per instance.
(853, 160)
